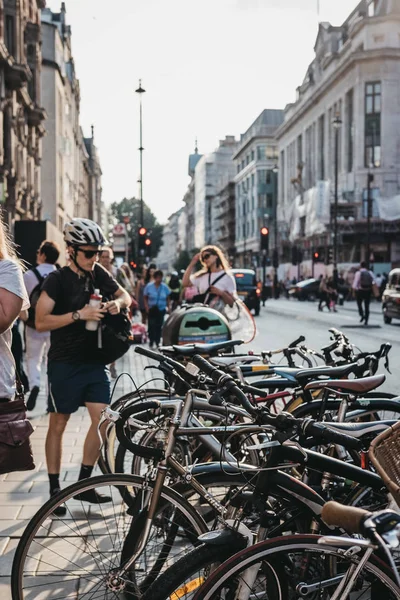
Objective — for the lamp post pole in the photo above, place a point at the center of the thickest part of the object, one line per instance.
(336, 125)
(276, 247)
(141, 91)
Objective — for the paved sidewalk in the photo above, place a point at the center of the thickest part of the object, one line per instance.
(22, 494)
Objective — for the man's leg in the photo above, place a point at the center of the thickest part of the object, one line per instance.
(53, 447)
(57, 424)
(150, 330)
(158, 328)
(359, 298)
(91, 447)
(36, 345)
(367, 300)
(91, 451)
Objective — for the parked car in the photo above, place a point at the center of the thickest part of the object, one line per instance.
(247, 289)
(391, 297)
(305, 290)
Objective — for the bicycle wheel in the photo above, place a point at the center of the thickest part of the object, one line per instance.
(76, 556)
(293, 567)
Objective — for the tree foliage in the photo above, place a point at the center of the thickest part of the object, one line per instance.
(184, 258)
(131, 207)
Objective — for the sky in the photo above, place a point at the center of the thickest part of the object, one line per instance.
(209, 67)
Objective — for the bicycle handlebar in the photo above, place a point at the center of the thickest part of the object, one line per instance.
(325, 434)
(349, 518)
(163, 359)
(299, 340)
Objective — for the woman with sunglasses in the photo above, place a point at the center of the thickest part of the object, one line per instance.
(77, 377)
(214, 282)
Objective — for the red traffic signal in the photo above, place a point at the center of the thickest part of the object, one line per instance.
(316, 256)
(147, 242)
(264, 231)
(142, 231)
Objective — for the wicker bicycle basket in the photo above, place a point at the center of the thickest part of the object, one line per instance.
(384, 453)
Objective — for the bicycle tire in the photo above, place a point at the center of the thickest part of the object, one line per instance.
(278, 553)
(55, 538)
(182, 573)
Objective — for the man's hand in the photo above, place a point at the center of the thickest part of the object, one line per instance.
(113, 307)
(90, 313)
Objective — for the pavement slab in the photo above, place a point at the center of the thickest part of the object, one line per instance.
(23, 493)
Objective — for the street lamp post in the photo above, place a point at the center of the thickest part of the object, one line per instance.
(276, 248)
(337, 123)
(141, 91)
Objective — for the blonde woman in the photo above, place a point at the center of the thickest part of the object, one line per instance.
(13, 300)
(213, 281)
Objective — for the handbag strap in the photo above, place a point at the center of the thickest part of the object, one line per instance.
(158, 295)
(207, 292)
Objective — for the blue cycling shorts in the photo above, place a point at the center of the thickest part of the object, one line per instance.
(72, 386)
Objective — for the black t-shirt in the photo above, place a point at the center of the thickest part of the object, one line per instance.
(71, 292)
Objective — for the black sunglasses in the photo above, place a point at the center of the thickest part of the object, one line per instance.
(89, 253)
(207, 255)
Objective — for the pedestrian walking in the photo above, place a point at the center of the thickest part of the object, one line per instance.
(323, 294)
(157, 300)
(13, 300)
(362, 284)
(174, 285)
(37, 343)
(75, 376)
(140, 285)
(332, 294)
(214, 281)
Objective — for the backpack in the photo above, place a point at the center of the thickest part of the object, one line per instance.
(116, 336)
(33, 299)
(366, 280)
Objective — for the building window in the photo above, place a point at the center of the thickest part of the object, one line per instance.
(247, 159)
(350, 129)
(299, 149)
(374, 203)
(271, 152)
(252, 155)
(261, 152)
(371, 8)
(238, 168)
(373, 125)
(9, 31)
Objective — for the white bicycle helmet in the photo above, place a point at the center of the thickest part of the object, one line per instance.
(80, 232)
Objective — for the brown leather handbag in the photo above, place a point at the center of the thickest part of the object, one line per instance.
(15, 431)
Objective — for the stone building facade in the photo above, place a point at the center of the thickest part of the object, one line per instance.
(21, 114)
(61, 98)
(349, 96)
(255, 159)
(208, 172)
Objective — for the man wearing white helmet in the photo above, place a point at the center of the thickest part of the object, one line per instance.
(76, 378)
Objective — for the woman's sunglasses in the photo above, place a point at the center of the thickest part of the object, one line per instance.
(89, 253)
(207, 255)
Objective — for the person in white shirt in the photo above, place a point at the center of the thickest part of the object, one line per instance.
(214, 281)
(38, 342)
(362, 284)
(13, 300)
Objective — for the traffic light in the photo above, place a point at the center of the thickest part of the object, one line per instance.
(316, 256)
(264, 238)
(142, 240)
(330, 256)
(294, 255)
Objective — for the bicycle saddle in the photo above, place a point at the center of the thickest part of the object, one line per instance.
(348, 386)
(357, 430)
(323, 371)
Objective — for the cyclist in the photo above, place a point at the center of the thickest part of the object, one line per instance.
(75, 378)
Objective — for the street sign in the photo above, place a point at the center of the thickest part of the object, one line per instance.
(119, 229)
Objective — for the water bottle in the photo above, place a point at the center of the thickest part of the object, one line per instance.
(95, 301)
